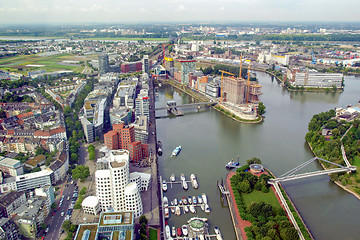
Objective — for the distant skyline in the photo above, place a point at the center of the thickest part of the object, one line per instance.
(128, 11)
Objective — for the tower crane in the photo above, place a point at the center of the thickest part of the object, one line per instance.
(248, 85)
(222, 80)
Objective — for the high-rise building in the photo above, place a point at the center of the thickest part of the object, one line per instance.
(103, 63)
(234, 90)
(113, 187)
(145, 64)
(187, 66)
(142, 104)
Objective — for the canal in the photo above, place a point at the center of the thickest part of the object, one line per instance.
(210, 140)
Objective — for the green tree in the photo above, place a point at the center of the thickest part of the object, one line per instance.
(261, 108)
(253, 160)
(83, 191)
(74, 157)
(244, 186)
(43, 226)
(80, 172)
(143, 219)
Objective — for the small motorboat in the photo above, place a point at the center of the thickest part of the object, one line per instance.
(184, 229)
(175, 202)
(207, 208)
(166, 212)
(165, 201)
(189, 199)
(177, 210)
(204, 198)
(194, 200)
(172, 209)
(192, 209)
(184, 185)
(172, 178)
(182, 177)
(186, 209)
(184, 201)
(179, 232)
(164, 186)
(173, 231)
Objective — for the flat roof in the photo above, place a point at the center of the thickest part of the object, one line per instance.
(126, 218)
(9, 162)
(83, 227)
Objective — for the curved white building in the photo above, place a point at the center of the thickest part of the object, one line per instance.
(103, 188)
(91, 205)
(133, 200)
(135, 177)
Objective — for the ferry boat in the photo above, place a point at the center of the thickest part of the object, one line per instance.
(185, 185)
(172, 178)
(165, 201)
(164, 186)
(177, 210)
(182, 177)
(232, 164)
(166, 212)
(176, 151)
(194, 181)
(207, 208)
(192, 209)
(204, 198)
(184, 229)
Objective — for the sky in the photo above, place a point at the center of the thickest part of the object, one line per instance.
(134, 11)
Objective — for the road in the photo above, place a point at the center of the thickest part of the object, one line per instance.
(67, 190)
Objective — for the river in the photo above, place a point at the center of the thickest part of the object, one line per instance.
(210, 139)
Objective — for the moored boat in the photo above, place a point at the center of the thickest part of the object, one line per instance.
(185, 185)
(179, 232)
(189, 199)
(186, 209)
(232, 164)
(176, 151)
(218, 233)
(167, 232)
(175, 202)
(192, 209)
(164, 186)
(194, 200)
(202, 207)
(165, 201)
(184, 201)
(182, 177)
(184, 229)
(172, 209)
(200, 201)
(166, 212)
(177, 210)
(194, 181)
(204, 198)
(207, 208)
(172, 178)
(173, 231)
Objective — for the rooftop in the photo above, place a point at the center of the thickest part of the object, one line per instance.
(9, 162)
(116, 218)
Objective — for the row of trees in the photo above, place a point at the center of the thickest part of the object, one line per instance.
(91, 151)
(69, 228)
(11, 98)
(80, 172)
(267, 222)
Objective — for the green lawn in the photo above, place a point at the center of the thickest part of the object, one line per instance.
(356, 161)
(152, 234)
(257, 196)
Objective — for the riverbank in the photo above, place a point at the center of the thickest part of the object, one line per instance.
(336, 182)
(203, 98)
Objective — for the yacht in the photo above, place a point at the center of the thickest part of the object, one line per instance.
(189, 199)
(192, 209)
(182, 177)
(166, 212)
(173, 231)
(175, 202)
(177, 210)
(186, 209)
(200, 201)
(207, 208)
(167, 232)
(184, 201)
(194, 200)
(185, 185)
(194, 181)
(165, 201)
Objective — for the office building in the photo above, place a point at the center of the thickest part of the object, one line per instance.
(133, 199)
(10, 167)
(312, 79)
(91, 205)
(142, 104)
(88, 129)
(234, 90)
(145, 64)
(35, 180)
(103, 63)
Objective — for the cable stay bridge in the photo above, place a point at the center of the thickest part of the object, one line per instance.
(290, 175)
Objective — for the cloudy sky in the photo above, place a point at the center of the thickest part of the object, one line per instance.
(118, 11)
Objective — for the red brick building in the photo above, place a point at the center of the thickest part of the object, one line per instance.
(123, 137)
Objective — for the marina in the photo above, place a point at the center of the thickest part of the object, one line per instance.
(184, 183)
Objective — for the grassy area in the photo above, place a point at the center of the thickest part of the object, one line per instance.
(258, 196)
(356, 161)
(18, 63)
(152, 234)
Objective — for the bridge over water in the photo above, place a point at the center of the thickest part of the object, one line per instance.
(187, 105)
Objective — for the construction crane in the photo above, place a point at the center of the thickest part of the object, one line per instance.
(222, 80)
(248, 85)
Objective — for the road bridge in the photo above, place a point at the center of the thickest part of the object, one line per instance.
(187, 105)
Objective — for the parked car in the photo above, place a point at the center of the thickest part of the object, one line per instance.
(62, 213)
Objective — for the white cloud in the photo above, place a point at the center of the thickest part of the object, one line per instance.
(181, 7)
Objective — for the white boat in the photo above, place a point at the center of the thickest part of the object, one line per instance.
(177, 210)
(185, 185)
(192, 209)
(182, 177)
(164, 186)
(207, 208)
(165, 201)
(189, 199)
(172, 203)
(194, 200)
(218, 233)
(173, 231)
(176, 151)
(204, 198)
(172, 209)
(201, 237)
(166, 212)
(172, 178)
(184, 201)
(202, 207)
(184, 230)
(180, 202)
(167, 232)
(186, 209)
(194, 181)
(175, 202)
(200, 201)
